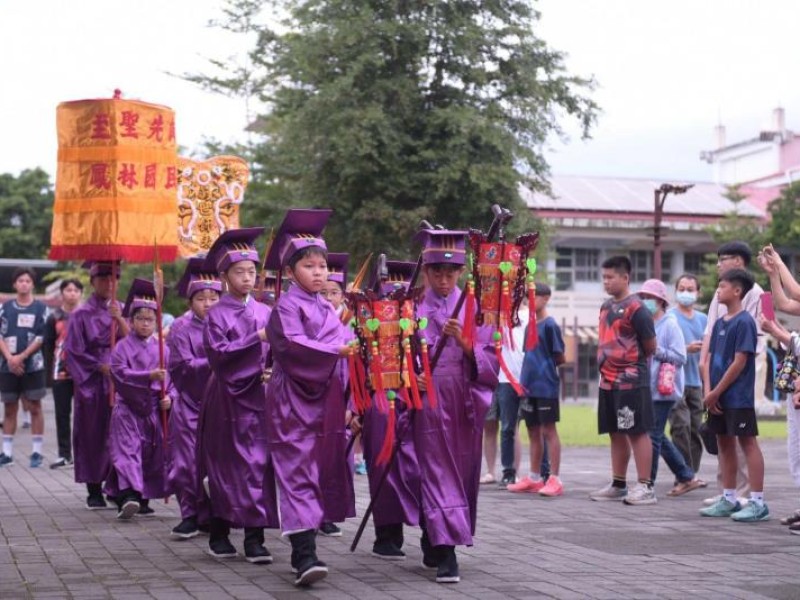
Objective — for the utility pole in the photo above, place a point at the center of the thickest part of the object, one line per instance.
(661, 197)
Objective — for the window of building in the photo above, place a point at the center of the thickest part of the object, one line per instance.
(642, 265)
(694, 263)
(576, 264)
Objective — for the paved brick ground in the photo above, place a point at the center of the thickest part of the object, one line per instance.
(52, 547)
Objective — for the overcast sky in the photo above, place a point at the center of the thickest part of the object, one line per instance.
(667, 72)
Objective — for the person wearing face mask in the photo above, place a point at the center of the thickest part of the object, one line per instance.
(666, 384)
(687, 414)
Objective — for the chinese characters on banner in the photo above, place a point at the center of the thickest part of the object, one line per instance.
(116, 182)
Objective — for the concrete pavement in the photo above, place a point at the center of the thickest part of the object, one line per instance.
(526, 546)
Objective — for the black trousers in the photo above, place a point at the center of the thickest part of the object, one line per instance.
(62, 397)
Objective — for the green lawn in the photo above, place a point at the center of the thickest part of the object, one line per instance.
(578, 427)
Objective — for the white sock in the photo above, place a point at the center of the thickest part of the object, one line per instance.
(8, 444)
(729, 495)
(535, 476)
(37, 443)
(757, 498)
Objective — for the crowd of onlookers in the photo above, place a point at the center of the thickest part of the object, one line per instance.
(661, 360)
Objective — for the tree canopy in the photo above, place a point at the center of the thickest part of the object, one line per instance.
(26, 214)
(390, 111)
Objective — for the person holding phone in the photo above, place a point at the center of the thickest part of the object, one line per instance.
(786, 297)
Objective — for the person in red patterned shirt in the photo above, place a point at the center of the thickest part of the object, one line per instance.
(625, 411)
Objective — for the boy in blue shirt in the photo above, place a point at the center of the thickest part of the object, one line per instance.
(731, 401)
(540, 408)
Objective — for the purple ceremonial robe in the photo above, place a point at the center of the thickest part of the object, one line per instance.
(336, 469)
(88, 347)
(305, 336)
(232, 432)
(190, 372)
(136, 435)
(399, 498)
(448, 438)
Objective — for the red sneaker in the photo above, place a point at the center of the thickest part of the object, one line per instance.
(553, 487)
(526, 484)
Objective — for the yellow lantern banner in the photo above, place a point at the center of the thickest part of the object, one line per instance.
(209, 195)
(116, 181)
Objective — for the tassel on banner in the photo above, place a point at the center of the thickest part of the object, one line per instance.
(376, 371)
(505, 315)
(468, 330)
(416, 400)
(426, 367)
(532, 336)
(498, 350)
(355, 389)
(361, 382)
(388, 440)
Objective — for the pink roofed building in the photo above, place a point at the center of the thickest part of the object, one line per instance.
(762, 165)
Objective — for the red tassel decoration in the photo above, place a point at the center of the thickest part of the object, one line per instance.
(355, 388)
(426, 367)
(376, 370)
(505, 315)
(361, 377)
(388, 440)
(468, 331)
(532, 337)
(498, 350)
(416, 400)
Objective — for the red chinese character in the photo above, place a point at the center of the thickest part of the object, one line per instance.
(101, 127)
(171, 135)
(128, 124)
(127, 176)
(98, 177)
(150, 176)
(172, 177)
(157, 128)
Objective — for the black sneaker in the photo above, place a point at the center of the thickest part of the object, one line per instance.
(314, 572)
(448, 568)
(5, 460)
(186, 529)
(430, 555)
(506, 481)
(145, 511)
(387, 551)
(221, 548)
(96, 503)
(330, 530)
(61, 462)
(257, 554)
(129, 508)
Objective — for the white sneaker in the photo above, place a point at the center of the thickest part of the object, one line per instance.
(641, 494)
(609, 493)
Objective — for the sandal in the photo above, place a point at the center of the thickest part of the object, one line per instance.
(488, 478)
(684, 487)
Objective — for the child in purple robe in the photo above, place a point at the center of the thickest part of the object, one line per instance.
(336, 475)
(88, 350)
(447, 437)
(306, 339)
(136, 437)
(232, 430)
(190, 371)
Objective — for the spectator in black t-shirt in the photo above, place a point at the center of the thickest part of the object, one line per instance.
(55, 337)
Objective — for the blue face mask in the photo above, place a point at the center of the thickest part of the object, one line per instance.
(651, 305)
(686, 298)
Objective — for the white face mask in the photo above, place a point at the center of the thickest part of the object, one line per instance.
(686, 298)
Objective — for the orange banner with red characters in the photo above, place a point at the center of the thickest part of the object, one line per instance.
(116, 182)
